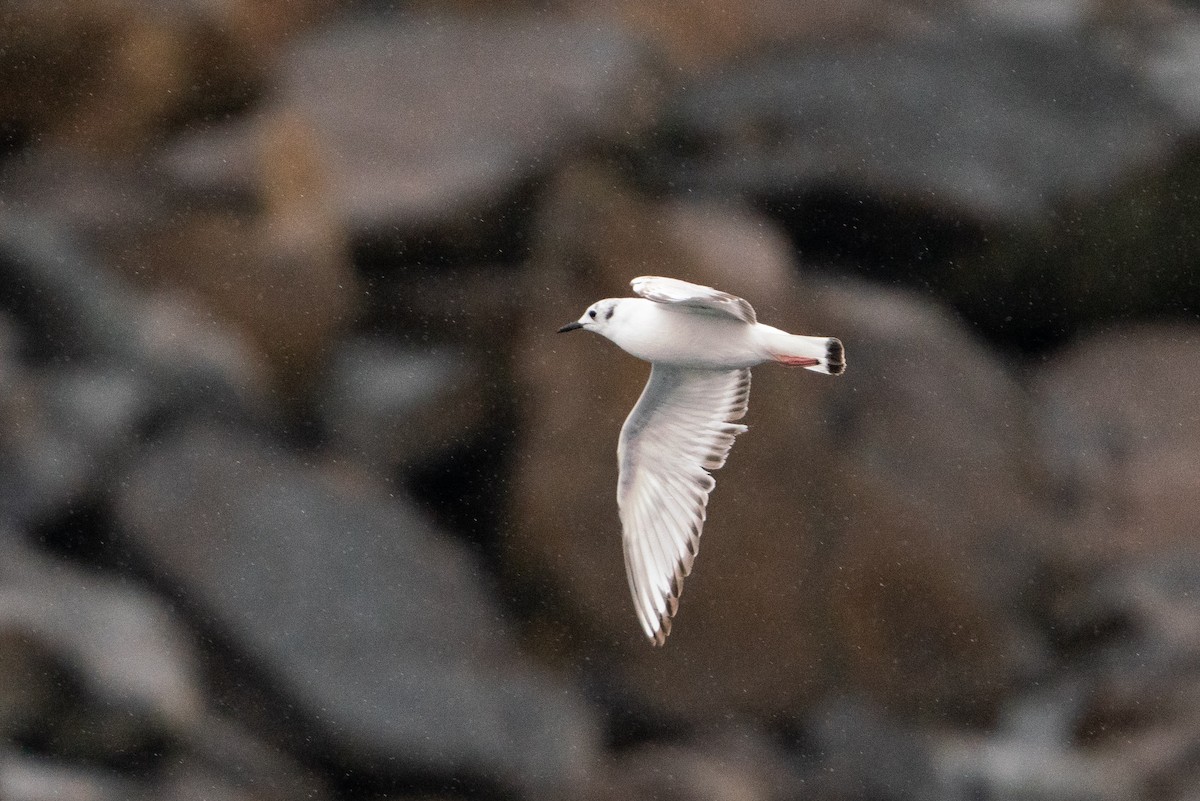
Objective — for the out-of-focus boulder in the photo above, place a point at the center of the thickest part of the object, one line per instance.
(281, 275)
(270, 263)
(26, 778)
(110, 77)
(98, 202)
(397, 406)
(69, 305)
(700, 35)
(1129, 632)
(968, 764)
(93, 668)
(64, 430)
(935, 424)
(861, 751)
(88, 362)
(964, 116)
(938, 519)
(432, 122)
(1118, 421)
(211, 760)
(925, 617)
(379, 631)
(222, 759)
(66, 306)
(61, 429)
(737, 763)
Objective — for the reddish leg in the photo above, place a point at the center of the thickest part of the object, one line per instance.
(797, 361)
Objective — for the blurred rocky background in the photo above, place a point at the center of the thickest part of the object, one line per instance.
(301, 497)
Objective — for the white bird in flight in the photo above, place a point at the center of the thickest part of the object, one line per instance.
(701, 344)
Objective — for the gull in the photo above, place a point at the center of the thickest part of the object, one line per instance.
(701, 344)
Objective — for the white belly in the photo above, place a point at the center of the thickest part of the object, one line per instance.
(663, 334)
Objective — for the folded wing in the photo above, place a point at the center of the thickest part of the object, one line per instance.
(683, 293)
(681, 428)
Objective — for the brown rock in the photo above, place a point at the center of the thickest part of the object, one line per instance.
(946, 516)
(109, 76)
(1118, 420)
(739, 764)
(931, 412)
(281, 275)
(924, 624)
(945, 489)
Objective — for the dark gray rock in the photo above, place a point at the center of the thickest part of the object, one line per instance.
(67, 305)
(222, 759)
(88, 361)
(64, 429)
(1173, 67)
(381, 632)
(971, 766)
(70, 304)
(862, 753)
(25, 778)
(982, 120)
(99, 201)
(121, 648)
(1024, 160)
(429, 120)
(391, 405)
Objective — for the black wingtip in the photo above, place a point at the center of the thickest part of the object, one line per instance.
(664, 629)
(835, 356)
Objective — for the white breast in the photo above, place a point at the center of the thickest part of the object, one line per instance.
(681, 336)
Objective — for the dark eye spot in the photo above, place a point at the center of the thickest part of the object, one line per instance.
(592, 313)
(608, 314)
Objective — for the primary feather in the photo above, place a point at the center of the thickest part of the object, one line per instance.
(681, 428)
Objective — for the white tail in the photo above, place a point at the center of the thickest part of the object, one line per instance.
(819, 354)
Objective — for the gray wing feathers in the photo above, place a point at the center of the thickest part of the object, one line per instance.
(682, 427)
(684, 293)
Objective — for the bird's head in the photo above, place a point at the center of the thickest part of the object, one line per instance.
(597, 318)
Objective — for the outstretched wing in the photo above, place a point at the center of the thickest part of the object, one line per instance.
(681, 427)
(683, 293)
